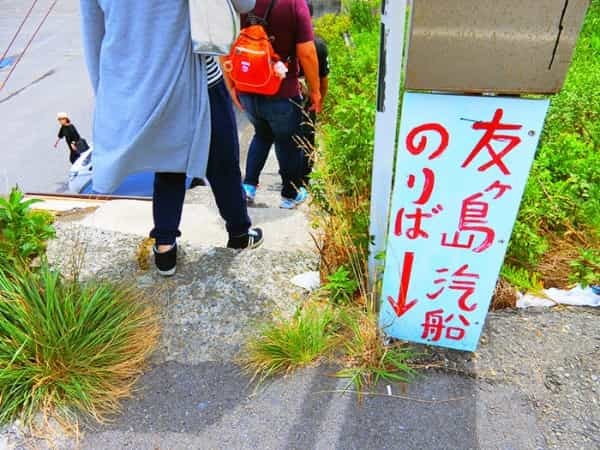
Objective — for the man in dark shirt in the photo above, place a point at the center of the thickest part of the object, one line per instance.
(70, 135)
(277, 118)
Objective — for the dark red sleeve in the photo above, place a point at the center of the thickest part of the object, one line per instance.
(304, 26)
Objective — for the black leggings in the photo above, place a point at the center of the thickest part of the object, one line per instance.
(223, 173)
(73, 156)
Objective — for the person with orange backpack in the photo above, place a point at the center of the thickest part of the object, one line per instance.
(262, 74)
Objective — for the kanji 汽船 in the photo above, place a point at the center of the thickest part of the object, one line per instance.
(435, 324)
(462, 280)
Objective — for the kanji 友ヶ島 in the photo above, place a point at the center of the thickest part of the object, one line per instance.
(510, 142)
(473, 219)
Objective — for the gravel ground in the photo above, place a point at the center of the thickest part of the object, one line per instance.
(551, 359)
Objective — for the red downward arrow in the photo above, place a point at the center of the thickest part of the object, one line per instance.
(400, 306)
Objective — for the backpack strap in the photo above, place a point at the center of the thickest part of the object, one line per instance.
(269, 9)
(253, 19)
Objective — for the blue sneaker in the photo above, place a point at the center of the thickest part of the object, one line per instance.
(302, 196)
(250, 192)
(288, 203)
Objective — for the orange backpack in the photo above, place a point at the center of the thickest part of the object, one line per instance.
(251, 62)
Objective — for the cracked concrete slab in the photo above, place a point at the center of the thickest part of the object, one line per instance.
(202, 225)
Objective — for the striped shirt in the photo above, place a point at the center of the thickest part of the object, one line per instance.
(213, 70)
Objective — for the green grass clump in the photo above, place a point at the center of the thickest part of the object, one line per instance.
(347, 335)
(68, 347)
(367, 361)
(285, 345)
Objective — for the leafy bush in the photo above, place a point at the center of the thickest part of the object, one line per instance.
(23, 232)
(341, 286)
(67, 347)
(562, 197)
(522, 279)
(586, 268)
(332, 28)
(561, 203)
(342, 177)
(363, 13)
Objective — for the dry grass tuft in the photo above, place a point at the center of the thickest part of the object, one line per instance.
(142, 255)
(366, 359)
(555, 266)
(505, 296)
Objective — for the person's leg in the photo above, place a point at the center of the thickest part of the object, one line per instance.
(73, 156)
(167, 206)
(284, 117)
(223, 170)
(261, 142)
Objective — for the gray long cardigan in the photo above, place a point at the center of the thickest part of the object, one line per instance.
(152, 109)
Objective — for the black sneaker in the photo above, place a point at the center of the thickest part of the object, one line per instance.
(250, 240)
(197, 182)
(166, 262)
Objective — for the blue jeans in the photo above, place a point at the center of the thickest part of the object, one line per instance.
(276, 121)
(223, 173)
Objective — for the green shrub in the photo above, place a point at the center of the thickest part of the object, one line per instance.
(67, 347)
(332, 28)
(363, 13)
(23, 232)
(562, 196)
(343, 169)
(586, 268)
(522, 279)
(341, 286)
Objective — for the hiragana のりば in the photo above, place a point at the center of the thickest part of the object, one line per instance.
(428, 185)
(416, 231)
(491, 128)
(416, 148)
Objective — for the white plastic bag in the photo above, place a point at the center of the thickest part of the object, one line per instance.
(215, 25)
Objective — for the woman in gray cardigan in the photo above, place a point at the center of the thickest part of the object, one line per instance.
(153, 113)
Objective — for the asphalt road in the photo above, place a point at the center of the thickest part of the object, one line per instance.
(51, 77)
